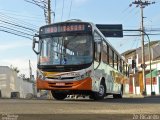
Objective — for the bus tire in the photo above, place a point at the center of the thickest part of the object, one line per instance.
(59, 95)
(101, 93)
(119, 96)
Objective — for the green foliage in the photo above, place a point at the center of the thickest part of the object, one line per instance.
(15, 69)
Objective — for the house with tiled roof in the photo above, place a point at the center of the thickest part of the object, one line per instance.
(136, 84)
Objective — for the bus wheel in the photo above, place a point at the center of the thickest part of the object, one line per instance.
(59, 95)
(101, 93)
(117, 96)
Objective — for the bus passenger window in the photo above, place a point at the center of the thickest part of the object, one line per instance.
(124, 68)
(104, 54)
(120, 66)
(107, 54)
(128, 71)
(97, 39)
(115, 61)
(97, 51)
(111, 57)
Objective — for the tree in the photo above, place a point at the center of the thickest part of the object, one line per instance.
(15, 69)
(23, 76)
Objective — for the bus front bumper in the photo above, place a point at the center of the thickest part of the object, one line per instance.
(85, 84)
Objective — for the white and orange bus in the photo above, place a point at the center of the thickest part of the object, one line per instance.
(74, 57)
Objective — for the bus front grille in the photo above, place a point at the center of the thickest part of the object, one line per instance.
(66, 85)
(60, 86)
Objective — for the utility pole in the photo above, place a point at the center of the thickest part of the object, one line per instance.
(49, 11)
(142, 5)
(46, 6)
(49, 22)
(32, 79)
(30, 70)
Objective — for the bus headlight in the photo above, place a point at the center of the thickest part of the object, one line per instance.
(85, 75)
(40, 75)
(88, 73)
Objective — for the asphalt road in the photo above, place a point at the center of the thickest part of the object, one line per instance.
(81, 109)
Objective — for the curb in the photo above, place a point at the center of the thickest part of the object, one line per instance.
(133, 96)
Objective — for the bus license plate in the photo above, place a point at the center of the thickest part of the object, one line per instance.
(60, 84)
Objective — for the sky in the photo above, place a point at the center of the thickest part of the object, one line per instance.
(17, 51)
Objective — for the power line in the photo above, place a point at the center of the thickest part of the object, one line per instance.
(19, 26)
(15, 34)
(46, 6)
(18, 14)
(125, 9)
(43, 6)
(135, 42)
(35, 3)
(15, 20)
(126, 17)
(40, 1)
(16, 30)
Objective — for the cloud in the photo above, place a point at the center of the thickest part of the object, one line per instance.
(18, 59)
(21, 63)
(12, 45)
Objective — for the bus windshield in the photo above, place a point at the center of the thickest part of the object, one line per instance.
(66, 50)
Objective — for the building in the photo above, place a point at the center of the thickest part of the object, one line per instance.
(10, 83)
(134, 58)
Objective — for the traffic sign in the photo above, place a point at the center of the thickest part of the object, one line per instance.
(111, 30)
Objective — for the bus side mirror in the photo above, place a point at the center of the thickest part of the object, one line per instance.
(34, 45)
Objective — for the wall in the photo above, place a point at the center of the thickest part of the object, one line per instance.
(9, 82)
(24, 87)
(155, 87)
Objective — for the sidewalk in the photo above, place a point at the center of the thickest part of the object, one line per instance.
(140, 96)
(152, 96)
(132, 96)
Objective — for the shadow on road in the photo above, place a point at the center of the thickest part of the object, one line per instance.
(145, 100)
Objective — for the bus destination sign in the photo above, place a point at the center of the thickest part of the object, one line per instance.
(57, 28)
(68, 28)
